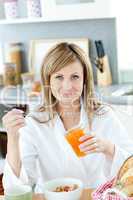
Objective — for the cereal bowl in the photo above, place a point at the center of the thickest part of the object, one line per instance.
(63, 189)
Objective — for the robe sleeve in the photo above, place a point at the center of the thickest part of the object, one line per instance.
(28, 155)
(118, 135)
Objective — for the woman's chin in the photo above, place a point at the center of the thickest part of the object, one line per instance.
(68, 100)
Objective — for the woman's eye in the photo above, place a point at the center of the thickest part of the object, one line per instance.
(59, 77)
(75, 77)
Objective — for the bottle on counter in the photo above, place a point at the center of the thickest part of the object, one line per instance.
(15, 56)
(9, 76)
(1, 79)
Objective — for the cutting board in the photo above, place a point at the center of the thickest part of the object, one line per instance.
(104, 78)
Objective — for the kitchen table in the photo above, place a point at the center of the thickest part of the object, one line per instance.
(86, 195)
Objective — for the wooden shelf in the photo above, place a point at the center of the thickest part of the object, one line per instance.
(42, 20)
(29, 21)
(24, 21)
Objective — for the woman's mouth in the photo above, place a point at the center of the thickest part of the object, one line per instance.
(70, 94)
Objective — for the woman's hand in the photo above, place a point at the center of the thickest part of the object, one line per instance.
(12, 121)
(96, 145)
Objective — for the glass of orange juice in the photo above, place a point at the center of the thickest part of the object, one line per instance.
(73, 136)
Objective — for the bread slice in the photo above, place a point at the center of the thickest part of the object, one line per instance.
(128, 164)
(128, 176)
(128, 190)
(124, 181)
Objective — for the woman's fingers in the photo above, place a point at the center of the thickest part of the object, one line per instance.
(85, 137)
(88, 142)
(96, 145)
(18, 126)
(95, 150)
(88, 148)
(15, 112)
(16, 122)
(13, 120)
(12, 115)
(92, 145)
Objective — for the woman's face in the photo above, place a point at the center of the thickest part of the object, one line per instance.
(67, 83)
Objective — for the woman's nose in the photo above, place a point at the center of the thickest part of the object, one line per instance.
(67, 85)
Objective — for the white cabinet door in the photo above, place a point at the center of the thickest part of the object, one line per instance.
(124, 14)
(78, 9)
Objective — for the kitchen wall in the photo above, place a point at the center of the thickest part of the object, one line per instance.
(124, 14)
(103, 29)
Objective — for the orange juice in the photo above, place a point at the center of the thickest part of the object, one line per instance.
(73, 138)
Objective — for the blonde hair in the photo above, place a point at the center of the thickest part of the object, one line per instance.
(57, 58)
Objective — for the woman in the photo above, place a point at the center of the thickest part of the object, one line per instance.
(37, 149)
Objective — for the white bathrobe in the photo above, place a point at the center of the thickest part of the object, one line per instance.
(46, 154)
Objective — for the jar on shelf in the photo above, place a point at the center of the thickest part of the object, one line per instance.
(33, 8)
(15, 52)
(11, 8)
(1, 79)
(9, 76)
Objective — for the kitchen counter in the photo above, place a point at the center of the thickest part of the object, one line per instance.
(17, 95)
(114, 94)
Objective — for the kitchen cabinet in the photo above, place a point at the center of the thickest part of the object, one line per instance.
(78, 11)
(124, 15)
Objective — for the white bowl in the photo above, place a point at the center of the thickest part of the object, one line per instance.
(50, 186)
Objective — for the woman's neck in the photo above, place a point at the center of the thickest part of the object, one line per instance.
(68, 110)
(70, 114)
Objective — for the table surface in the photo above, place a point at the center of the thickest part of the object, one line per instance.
(86, 195)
